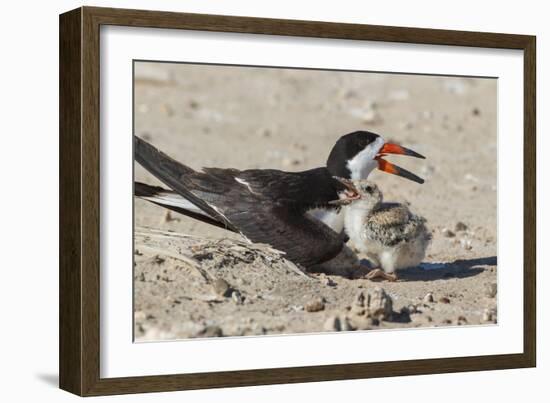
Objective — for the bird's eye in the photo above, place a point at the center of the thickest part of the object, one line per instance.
(368, 189)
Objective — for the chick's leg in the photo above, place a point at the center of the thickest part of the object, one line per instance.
(376, 274)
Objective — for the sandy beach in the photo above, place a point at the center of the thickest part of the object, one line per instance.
(194, 280)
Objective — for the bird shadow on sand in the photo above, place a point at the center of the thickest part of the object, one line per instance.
(461, 268)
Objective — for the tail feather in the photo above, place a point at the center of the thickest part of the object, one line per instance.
(173, 201)
(175, 175)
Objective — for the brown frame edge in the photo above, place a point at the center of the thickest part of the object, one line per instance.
(79, 200)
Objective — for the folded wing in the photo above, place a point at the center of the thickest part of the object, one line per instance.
(265, 206)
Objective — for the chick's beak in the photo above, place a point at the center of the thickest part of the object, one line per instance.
(349, 193)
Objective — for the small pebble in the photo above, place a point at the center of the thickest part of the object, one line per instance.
(489, 315)
(429, 297)
(360, 299)
(460, 226)
(461, 320)
(168, 217)
(315, 306)
(365, 323)
(264, 132)
(370, 104)
(444, 300)
(210, 331)
(490, 290)
(222, 287)
(329, 282)
(358, 310)
(380, 304)
(346, 325)
(237, 297)
(333, 324)
(447, 233)
(466, 244)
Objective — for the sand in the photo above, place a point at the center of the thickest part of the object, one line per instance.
(194, 280)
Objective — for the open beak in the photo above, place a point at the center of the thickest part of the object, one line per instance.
(383, 165)
(390, 148)
(348, 195)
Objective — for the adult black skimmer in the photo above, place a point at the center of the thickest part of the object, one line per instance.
(267, 205)
(389, 234)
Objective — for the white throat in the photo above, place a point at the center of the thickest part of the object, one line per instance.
(354, 222)
(363, 163)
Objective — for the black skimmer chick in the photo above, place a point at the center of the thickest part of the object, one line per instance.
(389, 234)
(264, 205)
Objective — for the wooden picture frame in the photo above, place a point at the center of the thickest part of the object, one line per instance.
(79, 201)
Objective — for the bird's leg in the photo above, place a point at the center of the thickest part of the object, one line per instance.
(379, 273)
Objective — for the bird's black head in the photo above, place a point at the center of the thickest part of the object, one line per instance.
(348, 147)
(356, 154)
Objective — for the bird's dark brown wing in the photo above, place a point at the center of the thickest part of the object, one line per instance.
(266, 206)
(304, 240)
(269, 207)
(306, 189)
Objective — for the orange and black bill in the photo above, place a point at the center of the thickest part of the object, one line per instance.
(390, 168)
(391, 148)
